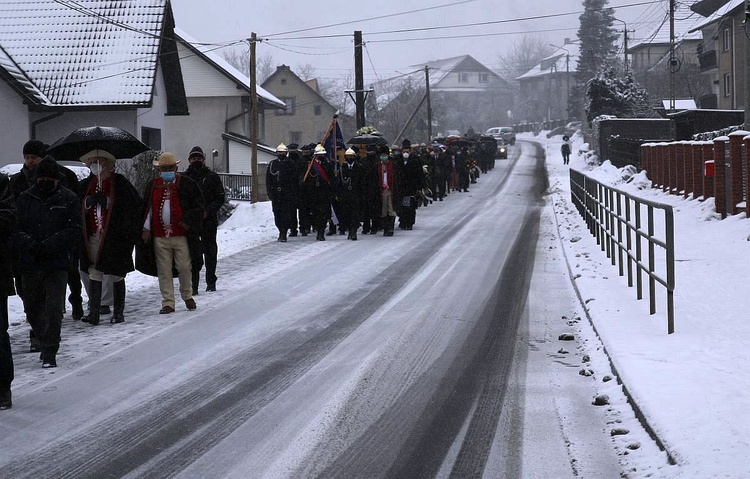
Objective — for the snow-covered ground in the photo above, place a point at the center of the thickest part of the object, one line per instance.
(690, 386)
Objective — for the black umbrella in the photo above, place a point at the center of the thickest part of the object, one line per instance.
(116, 141)
(367, 139)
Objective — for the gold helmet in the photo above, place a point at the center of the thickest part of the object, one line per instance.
(319, 150)
(349, 152)
(281, 148)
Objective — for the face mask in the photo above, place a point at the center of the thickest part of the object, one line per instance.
(406, 155)
(96, 169)
(46, 186)
(197, 163)
(167, 175)
(383, 158)
(281, 157)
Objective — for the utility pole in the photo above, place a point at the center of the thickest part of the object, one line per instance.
(359, 81)
(254, 119)
(429, 105)
(747, 68)
(672, 60)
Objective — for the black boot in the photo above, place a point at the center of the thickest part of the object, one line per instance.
(321, 231)
(118, 293)
(331, 228)
(388, 223)
(282, 236)
(95, 302)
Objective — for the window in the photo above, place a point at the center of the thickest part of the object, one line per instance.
(725, 41)
(283, 81)
(318, 110)
(151, 137)
(727, 84)
(295, 137)
(289, 102)
(484, 78)
(463, 77)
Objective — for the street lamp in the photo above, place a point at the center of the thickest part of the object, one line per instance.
(567, 79)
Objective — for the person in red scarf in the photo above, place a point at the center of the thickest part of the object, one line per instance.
(387, 183)
(111, 226)
(174, 213)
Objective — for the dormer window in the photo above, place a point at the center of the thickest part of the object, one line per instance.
(463, 77)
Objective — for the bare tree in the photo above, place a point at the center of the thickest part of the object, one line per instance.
(524, 54)
(240, 59)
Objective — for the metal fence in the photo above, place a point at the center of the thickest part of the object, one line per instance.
(616, 219)
(237, 187)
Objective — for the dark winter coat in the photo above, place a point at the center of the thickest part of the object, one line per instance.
(122, 228)
(212, 188)
(191, 202)
(409, 178)
(53, 221)
(281, 181)
(8, 220)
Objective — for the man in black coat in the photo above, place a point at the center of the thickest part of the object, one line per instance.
(112, 224)
(213, 199)
(281, 187)
(33, 152)
(409, 182)
(8, 218)
(350, 194)
(173, 216)
(49, 228)
(318, 181)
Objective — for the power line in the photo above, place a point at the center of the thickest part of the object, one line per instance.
(372, 18)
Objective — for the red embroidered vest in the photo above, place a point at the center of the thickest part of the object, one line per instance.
(159, 195)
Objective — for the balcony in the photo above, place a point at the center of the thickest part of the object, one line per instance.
(708, 61)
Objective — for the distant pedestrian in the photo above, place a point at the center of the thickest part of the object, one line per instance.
(317, 182)
(386, 181)
(8, 218)
(213, 199)
(48, 231)
(173, 216)
(565, 149)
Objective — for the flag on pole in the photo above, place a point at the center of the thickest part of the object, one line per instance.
(333, 142)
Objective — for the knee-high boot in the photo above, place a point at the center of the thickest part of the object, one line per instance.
(95, 302)
(118, 294)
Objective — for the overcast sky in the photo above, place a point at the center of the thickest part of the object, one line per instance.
(387, 55)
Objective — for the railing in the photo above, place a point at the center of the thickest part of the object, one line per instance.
(237, 187)
(621, 233)
(707, 61)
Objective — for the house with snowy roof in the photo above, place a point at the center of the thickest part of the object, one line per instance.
(545, 88)
(92, 62)
(307, 114)
(721, 51)
(464, 94)
(650, 61)
(218, 97)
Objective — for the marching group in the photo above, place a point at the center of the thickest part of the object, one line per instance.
(371, 188)
(58, 233)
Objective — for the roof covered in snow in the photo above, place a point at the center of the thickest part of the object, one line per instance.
(562, 60)
(721, 12)
(685, 22)
(242, 81)
(83, 53)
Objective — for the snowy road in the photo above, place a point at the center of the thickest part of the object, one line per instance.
(419, 355)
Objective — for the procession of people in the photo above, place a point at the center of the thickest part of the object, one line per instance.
(63, 234)
(374, 185)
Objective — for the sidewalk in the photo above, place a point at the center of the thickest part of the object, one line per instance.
(692, 387)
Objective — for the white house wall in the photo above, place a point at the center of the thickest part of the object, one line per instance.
(154, 117)
(202, 79)
(204, 127)
(15, 130)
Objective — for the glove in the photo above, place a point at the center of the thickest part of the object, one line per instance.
(96, 199)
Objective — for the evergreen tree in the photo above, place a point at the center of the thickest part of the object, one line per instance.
(597, 38)
(607, 94)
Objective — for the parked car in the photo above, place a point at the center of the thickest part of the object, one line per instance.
(505, 133)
